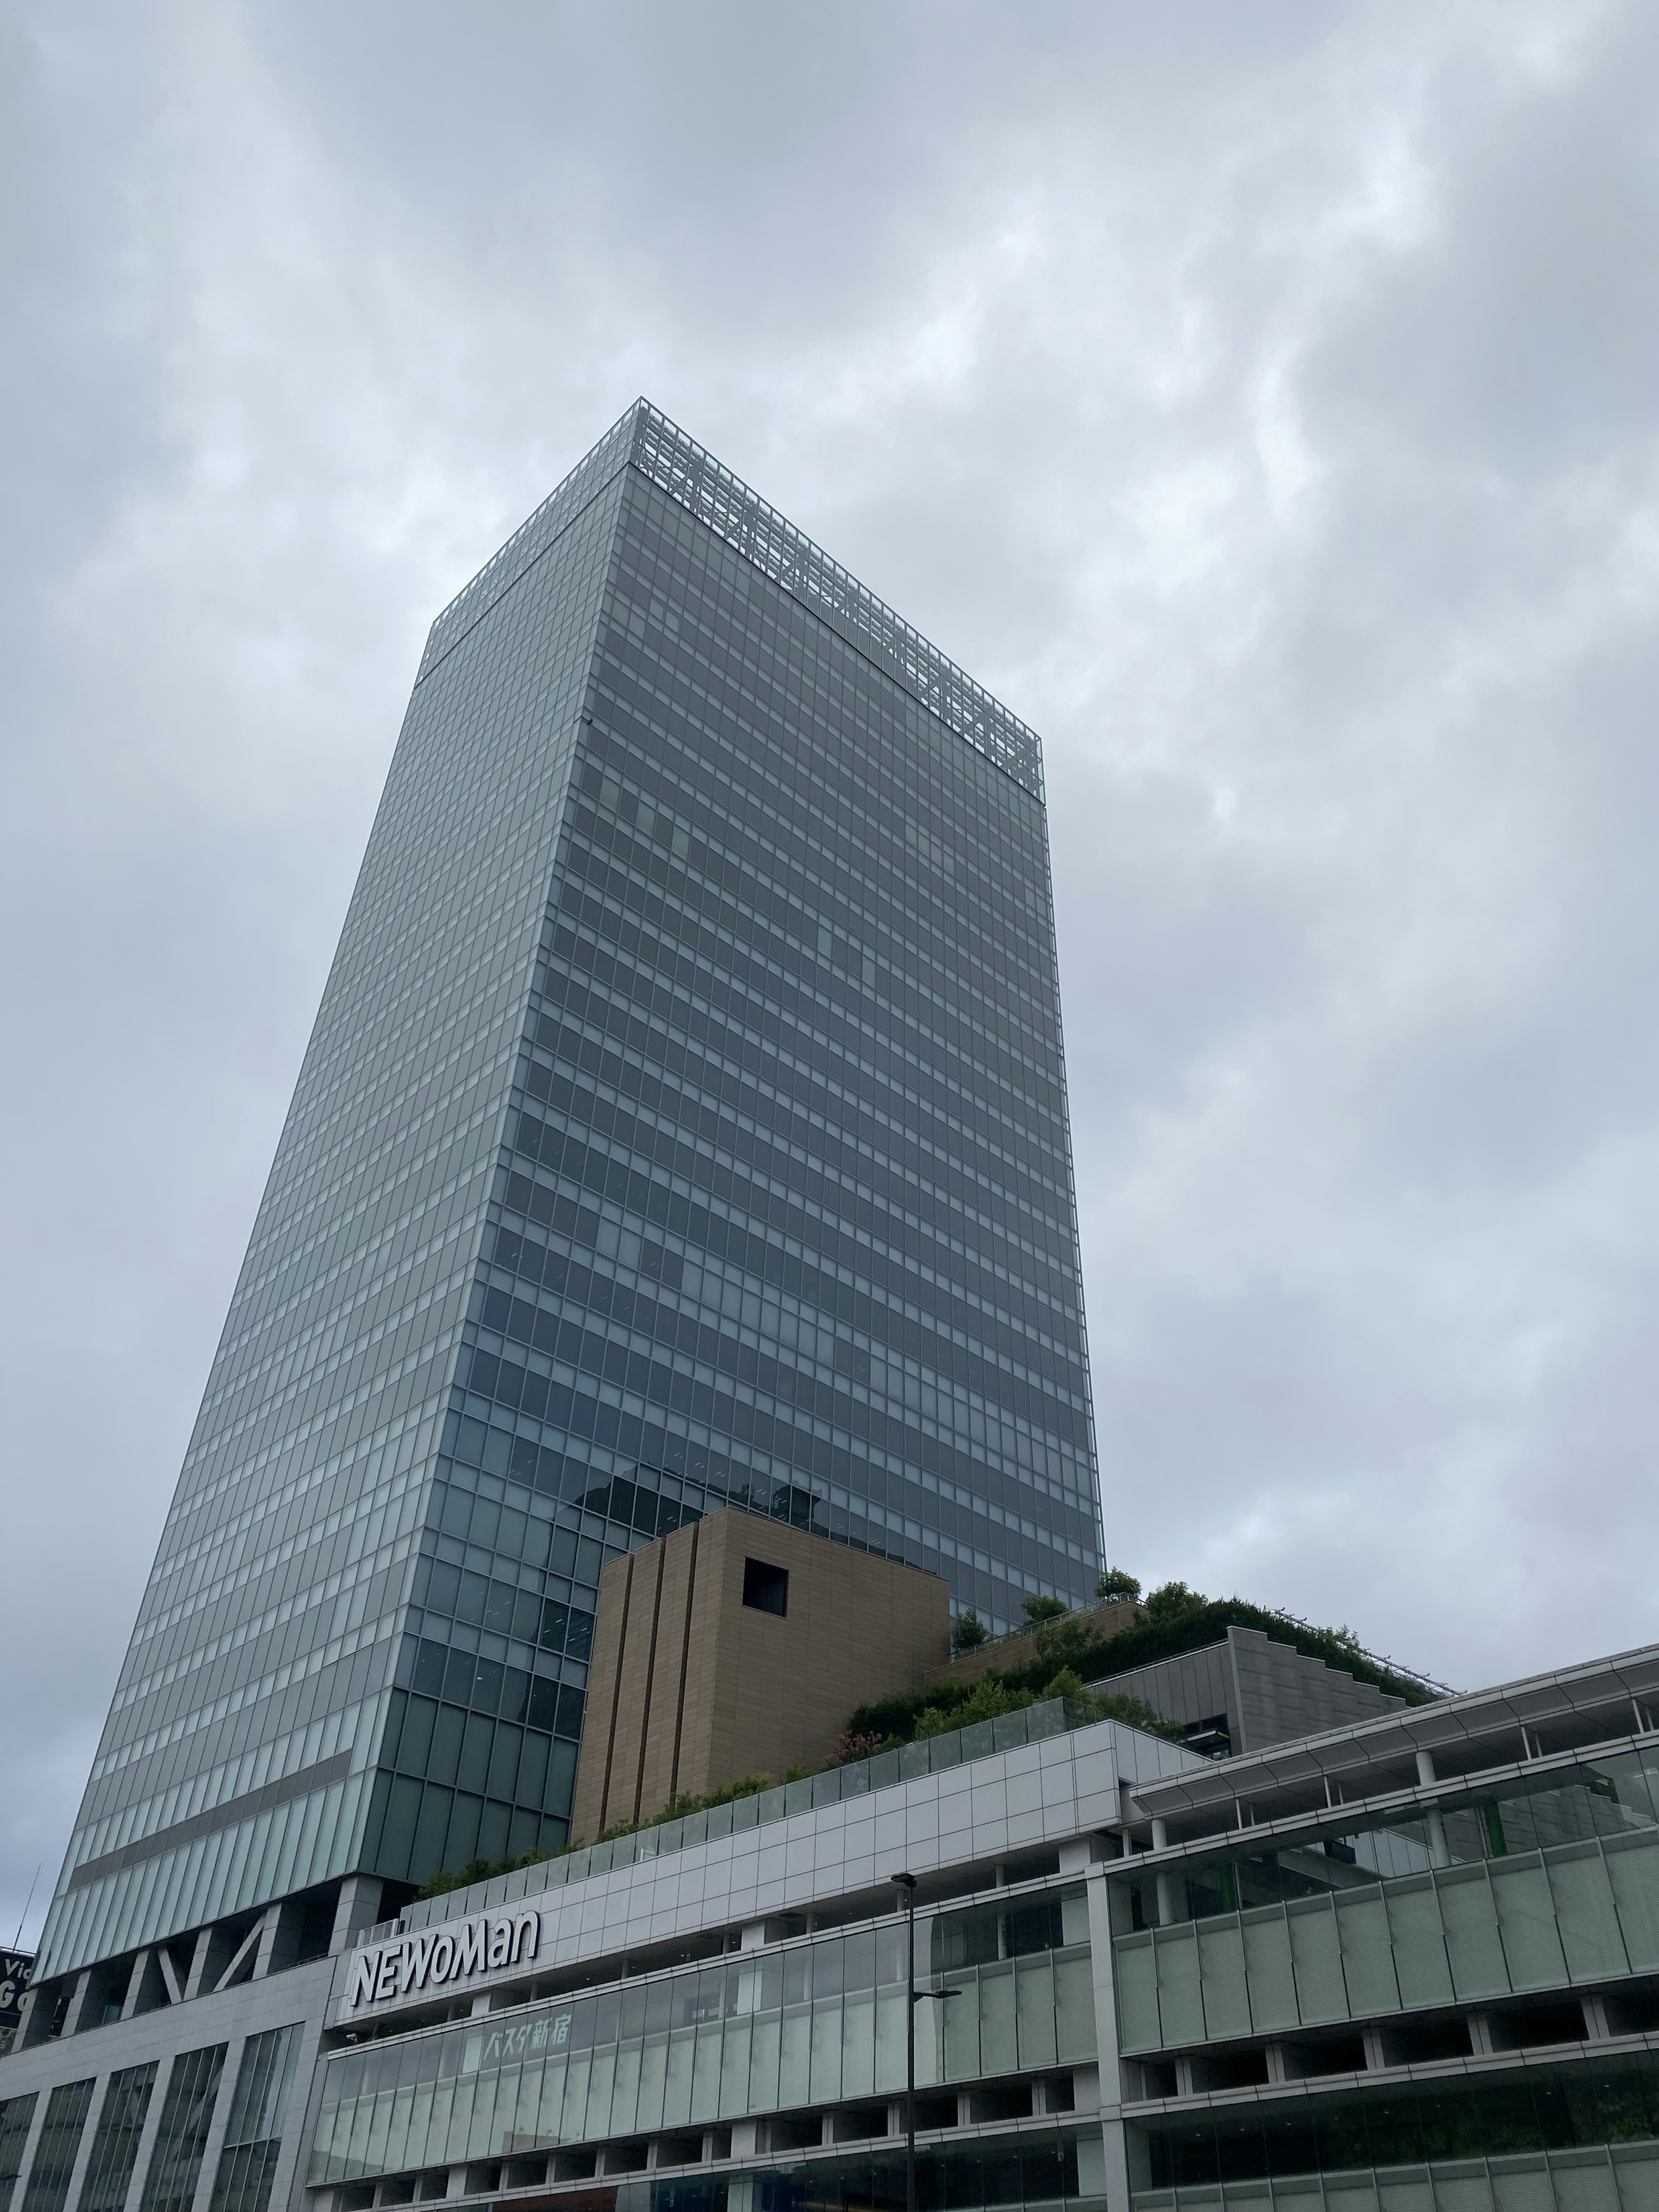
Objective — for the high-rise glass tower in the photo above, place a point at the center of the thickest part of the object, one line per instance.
(684, 1123)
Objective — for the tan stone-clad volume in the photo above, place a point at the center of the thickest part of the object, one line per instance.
(691, 1688)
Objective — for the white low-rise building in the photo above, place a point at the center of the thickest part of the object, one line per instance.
(1408, 1965)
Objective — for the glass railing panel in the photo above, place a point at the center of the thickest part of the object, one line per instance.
(934, 1755)
(1462, 1934)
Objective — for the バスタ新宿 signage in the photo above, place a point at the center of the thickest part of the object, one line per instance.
(431, 1960)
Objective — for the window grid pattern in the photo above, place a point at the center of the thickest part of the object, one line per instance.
(684, 1123)
(785, 1215)
(788, 556)
(1584, 2107)
(55, 2153)
(254, 2131)
(992, 1472)
(529, 541)
(239, 1762)
(819, 2022)
(662, 452)
(175, 2158)
(1039, 2168)
(1546, 1883)
(115, 2147)
(16, 2119)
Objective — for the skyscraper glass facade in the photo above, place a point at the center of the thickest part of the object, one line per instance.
(684, 1123)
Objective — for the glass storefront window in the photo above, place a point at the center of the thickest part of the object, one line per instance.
(816, 2023)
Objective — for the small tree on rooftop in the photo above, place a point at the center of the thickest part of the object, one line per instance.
(1116, 1583)
(1039, 1609)
(1173, 1602)
(967, 1632)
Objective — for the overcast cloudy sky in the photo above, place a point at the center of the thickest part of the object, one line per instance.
(1262, 398)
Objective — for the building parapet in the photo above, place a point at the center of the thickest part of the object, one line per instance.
(860, 1778)
(1478, 1731)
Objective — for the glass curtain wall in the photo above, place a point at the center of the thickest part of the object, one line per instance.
(786, 1218)
(237, 1760)
(685, 1124)
(821, 2022)
(254, 2131)
(1548, 1881)
(115, 2147)
(1581, 2107)
(55, 2153)
(16, 2119)
(175, 2158)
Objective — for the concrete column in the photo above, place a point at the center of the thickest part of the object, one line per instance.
(1597, 2026)
(1279, 2069)
(80, 2004)
(142, 1965)
(753, 1936)
(198, 1964)
(32, 2141)
(1480, 2035)
(1114, 2155)
(1439, 1851)
(1377, 2055)
(270, 1934)
(83, 2149)
(357, 1907)
(152, 2126)
(218, 2121)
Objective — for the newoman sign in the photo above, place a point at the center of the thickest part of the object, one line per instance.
(450, 1955)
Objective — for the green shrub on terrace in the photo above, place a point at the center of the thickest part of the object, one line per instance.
(1176, 1620)
(1069, 1657)
(991, 1697)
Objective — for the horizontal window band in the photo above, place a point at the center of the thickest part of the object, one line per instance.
(226, 1816)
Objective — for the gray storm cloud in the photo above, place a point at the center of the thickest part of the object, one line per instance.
(1263, 401)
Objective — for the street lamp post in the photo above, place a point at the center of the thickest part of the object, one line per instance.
(906, 1884)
